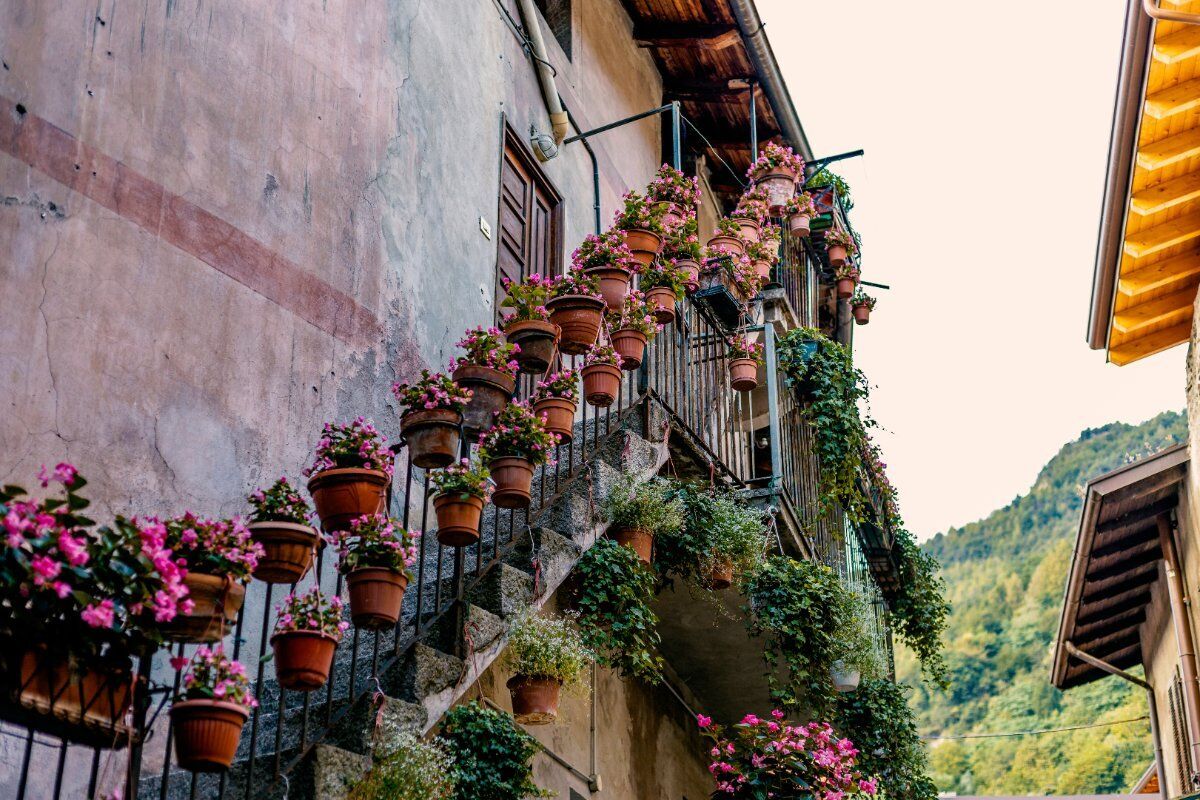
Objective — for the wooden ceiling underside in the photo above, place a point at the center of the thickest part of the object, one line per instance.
(1160, 263)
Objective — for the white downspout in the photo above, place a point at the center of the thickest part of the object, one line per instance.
(533, 32)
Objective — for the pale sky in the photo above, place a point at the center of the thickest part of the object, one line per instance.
(978, 200)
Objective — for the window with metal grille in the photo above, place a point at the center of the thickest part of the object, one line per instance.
(1183, 761)
(530, 218)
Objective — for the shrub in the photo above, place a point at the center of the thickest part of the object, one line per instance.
(878, 718)
(492, 756)
(606, 249)
(637, 214)
(614, 596)
(547, 647)
(716, 527)
(646, 505)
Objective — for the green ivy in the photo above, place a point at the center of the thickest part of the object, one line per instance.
(917, 608)
(716, 525)
(613, 599)
(492, 756)
(877, 718)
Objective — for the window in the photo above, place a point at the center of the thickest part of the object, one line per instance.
(530, 218)
(557, 14)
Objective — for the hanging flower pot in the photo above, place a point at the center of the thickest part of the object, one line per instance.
(847, 280)
(643, 245)
(750, 229)
(432, 421)
(691, 272)
(674, 197)
(462, 489)
(218, 558)
(73, 699)
(512, 447)
(663, 299)
(800, 210)
(845, 679)
(614, 284)
(743, 374)
(630, 345)
(347, 493)
(513, 477)
(862, 314)
(538, 342)
(375, 553)
(376, 596)
(862, 304)
(288, 549)
(534, 700)
(639, 223)
(800, 225)
(554, 402)
(639, 540)
(578, 317)
(774, 174)
(721, 577)
(780, 186)
(488, 370)
(307, 632)
(840, 245)
(216, 600)
(601, 376)
(632, 328)
(207, 720)
(837, 256)
(762, 269)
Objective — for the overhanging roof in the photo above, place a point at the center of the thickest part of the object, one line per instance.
(1114, 565)
(1148, 255)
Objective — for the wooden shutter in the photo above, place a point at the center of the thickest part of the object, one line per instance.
(529, 218)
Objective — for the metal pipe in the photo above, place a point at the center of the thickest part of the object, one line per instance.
(595, 172)
(537, 46)
(1184, 640)
(1151, 8)
(619, 123)
(773, 405)
(753, 121)
(676, 137)
(1151, 702)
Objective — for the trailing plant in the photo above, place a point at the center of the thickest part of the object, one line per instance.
(311, 612)
(856, 649)
(517, 432)
(664, 275)
(840, 237)
(280, 503)
(717, 527)
(637, 214)
(432, 391)
(214, 676)
(411, 769)
(602, 250)
(464, 480)
(917, 608)
(613, 600)
(754, 204)
(636, 314)
(212, 546)
(676, 189)
(601, 354)
(576, 282)
(861, 298)
(801, 204)
(741, 347)
(492, 756)
(527, 298)
(878, 718)
(356, 444)
(375, 540)
(563, 385)
(643, 505)
(774, 156)
(487, 348)
(826, 177)
(684, 242)
(547, 647)
(763, 758)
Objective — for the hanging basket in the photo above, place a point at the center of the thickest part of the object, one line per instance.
(534, 700)
(288, 549)
(743, 374)
(376, 596)
(730, 243)
(578, 316)
(303, 659)
(781, 187)
(538, 341)
(491, 391)
(458, 518)
(432, 436)
(862, 314)
(216, 600)
(513, 477)
(800, 225)
(343, 494)
(206, 733)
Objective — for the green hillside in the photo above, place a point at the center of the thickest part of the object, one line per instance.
(1005, 577)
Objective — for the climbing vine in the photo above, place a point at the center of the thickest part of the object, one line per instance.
(877, 718)
(917, 608)
(613, 600)
(492, 756)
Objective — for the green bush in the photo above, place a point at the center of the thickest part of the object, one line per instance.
(613, 600)
(877, 718)
(412, 770)
(492, 756)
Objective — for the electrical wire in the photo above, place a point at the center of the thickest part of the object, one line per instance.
(1142, 718)
(715, 152)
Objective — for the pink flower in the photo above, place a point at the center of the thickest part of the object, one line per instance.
(703, 721)
(99, 616)
(179, 662)
(45, 569)
(868, 786)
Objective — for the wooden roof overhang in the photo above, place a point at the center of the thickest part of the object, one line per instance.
(1148, 256)
(1115, 564)
(710, 63)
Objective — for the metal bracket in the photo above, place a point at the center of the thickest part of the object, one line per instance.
(1153, 10)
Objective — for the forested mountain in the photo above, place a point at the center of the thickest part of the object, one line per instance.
(1005, 576)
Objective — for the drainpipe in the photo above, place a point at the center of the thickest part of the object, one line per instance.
(1151, 8)
(1183, 637)
(1155, 738)
(533, 31)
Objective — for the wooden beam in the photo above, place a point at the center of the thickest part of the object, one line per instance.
(1106, 590)
(1149, 513)
(1109, 625)
(1178, 46)
(1166, 195)
(1135, 561)
(1148, 534)
(1165, 152)
(1160, 237)
(1155, 276)
(703, 36)
(1151, 343)
(1174, 306)
(1174, 99)
(1134, 600)
(737, 83)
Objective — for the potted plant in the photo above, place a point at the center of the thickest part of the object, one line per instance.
(516, 443)
(405, 767)
(488, 369)
(375, 555)
(664, 283)
(847, 277)
(554, 400)
(608, 259)
(761, 259)
(637, 512)
(219, 556)
(577, 308)
(307, 632)
(614, 597)
(462, 489)
(683, 249)
(776, 170)
(208, 716)
(750, 213)
(529, 326)
(799, 212)
(735, 272)
(841, 246)
(641, 225)
(745, 357)
(854, 653)
(674, 197)
(727, 238)
(633, 328)
(350, 475)
(738, 540)
(544, 654)
(601, 376)
(862, 304)
(431, 423)
(279, 523)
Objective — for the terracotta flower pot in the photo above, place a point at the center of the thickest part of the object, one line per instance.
(762, 269)
(303, 659)
(343, 494)
(845, 288)
(862, 314)
(751, 230)
(743, 374)
(780, 185)
(206, 733)
(491, 391)
(614, 285)
(639, 540)
(732, 244)
(432, 436)
(691, 269)
(630, 345)
(79, 702)
(559, 416)
(578, 317)
(601, 384)
(534, 700)
(722, 574)
(644, 245)
(538, 341)
(671, 220)
(663, 298)
(458, 517)
(376, 595)
(216, 600)
(513, 477)
(800, 224)
(837, 255)
(288, 549)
